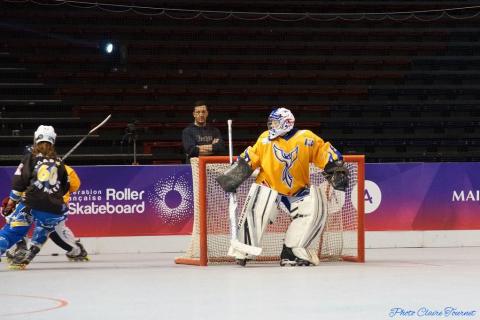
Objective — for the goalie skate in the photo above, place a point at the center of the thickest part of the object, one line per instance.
(82, 256)
(288, 258)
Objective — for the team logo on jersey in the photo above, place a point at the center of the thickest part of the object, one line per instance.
(333, 154)
(287, 159)
(46, 176)
(246, 156)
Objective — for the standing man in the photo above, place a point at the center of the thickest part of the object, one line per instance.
(200, 139)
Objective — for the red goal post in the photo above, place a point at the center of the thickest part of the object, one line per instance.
(342, 239)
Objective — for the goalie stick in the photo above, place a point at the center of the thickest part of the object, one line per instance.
(232, 197)
(232, 208)
(85, 137)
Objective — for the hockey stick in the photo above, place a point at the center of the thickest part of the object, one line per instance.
(86, 136)
(232, 197)
(232, 208)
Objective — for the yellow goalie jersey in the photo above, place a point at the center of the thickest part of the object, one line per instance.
(284, 162)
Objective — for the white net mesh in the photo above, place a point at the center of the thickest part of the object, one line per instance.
(339, 239)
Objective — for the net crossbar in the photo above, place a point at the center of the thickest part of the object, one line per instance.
(342, 239)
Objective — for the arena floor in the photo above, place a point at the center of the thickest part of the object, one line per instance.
(420, 283)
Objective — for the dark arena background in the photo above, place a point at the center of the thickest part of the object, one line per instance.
(395, 81)
(396, 88)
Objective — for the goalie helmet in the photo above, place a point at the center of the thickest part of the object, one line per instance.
(44, 133)
(280, 121)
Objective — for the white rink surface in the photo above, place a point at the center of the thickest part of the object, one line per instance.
(151, 286)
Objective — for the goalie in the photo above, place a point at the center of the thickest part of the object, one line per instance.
(283, 155)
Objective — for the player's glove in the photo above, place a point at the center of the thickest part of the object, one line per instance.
(8, 205)
(337, 174)
(235, 175)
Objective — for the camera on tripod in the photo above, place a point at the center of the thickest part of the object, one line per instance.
(130, 136)
(131, 130)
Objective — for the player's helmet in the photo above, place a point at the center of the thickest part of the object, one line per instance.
(280, 121)
(44, 133)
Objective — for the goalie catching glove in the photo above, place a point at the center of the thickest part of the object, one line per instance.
(337, 174)
(234, 176)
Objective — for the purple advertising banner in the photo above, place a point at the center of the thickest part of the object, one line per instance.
(128, 200)
(422, 196)
(158, 200)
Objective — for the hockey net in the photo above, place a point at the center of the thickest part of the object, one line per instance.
(342, 239)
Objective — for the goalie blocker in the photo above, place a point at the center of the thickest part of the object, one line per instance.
(235, 175)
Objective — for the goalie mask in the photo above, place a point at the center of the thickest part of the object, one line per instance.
(280, 122)
(44, 133)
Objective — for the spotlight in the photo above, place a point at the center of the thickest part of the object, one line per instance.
(109, 47)
(115, 54)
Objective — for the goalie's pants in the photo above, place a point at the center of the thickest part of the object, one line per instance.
(19, 222)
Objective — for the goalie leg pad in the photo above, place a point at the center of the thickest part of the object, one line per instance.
(259, 210)
(309, 218)
(241, 251)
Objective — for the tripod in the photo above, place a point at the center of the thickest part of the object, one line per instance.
(131, 136)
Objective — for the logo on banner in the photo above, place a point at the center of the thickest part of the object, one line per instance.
(172, 199)
(466, 196)
(372, 196)
(107, 201)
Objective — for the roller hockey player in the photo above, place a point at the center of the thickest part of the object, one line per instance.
(38, 186)
(283, 154)
(62, 236)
